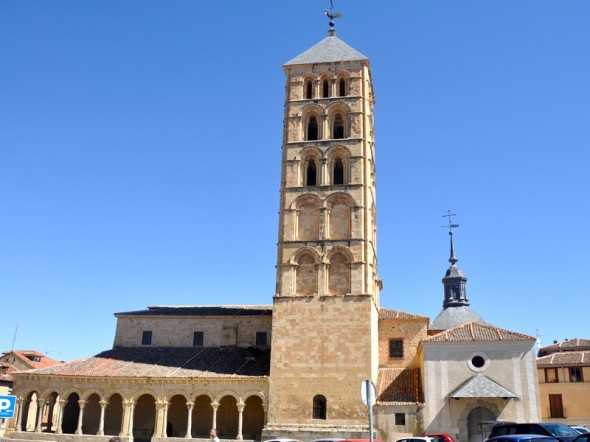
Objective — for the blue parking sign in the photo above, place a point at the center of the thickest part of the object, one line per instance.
(7, 404)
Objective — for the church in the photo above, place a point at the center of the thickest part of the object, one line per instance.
(294, 368)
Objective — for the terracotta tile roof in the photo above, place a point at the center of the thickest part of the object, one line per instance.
(564, 358)
(399, 386)
(202, 310)
(169, 362)
(6, 371)
(477, 331)
(32, 358)
(567, 345)
(386, 313)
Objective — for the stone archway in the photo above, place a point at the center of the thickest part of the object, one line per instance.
(476, 432)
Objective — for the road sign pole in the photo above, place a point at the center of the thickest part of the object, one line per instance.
(370, 414)
(368, 394)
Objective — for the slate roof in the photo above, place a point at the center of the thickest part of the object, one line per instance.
(397, 386)
(476, 331)
(453, 316)
(564, 359)
(202, 310)
(330, 50)
(481, 386)
(567, 345)
(386, 313)
(169, 362)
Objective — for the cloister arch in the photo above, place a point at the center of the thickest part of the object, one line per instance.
(144, 417)
(227, 417)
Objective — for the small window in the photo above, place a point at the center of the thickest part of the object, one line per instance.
(261, 339)
(311, 174)
(342, 87)
(146, 338)
(338, 172)
(319, 407)
(400, 419)
(478, 361)
(198, 338)
(308, 89)
(325, 89)
(396, 348)
(551, 375)
(312, 128)
(338, 129)
(576, 374)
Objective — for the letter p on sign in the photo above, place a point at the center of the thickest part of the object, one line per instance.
(7, 404)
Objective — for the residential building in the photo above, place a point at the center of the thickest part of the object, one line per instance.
(564, 381)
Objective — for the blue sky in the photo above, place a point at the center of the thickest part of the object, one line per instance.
(140, 148)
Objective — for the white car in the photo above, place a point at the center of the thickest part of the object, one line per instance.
(415, 439)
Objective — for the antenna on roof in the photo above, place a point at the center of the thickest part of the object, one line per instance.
(14, 338)
(332, 16)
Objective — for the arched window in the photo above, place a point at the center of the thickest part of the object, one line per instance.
(308, 223)
(308, 89)
(307, 276)
(342, 87)
(338, 171)
(319, 407)
(339, 275)
(325, 88)
(338, 126)
(311, 173)
(312, 128)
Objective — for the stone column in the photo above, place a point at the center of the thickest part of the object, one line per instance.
(189, 420)
(215, 406)
(40, 409)
(241, 406)
(103, 405)
(127, 420)
(160, 424)
(325, 173)
(60, 415)
(19, 414)
(82, 404)
(325, 132)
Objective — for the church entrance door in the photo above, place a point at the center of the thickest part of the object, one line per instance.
(476, 428)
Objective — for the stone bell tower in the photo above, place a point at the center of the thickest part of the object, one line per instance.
(325, 310)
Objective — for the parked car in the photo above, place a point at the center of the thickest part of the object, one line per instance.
(440, 437)
(580, 429)
(562, 432)
(329, 439)
(416, 439)
(523, 438)
(585, 437)
(282, 440)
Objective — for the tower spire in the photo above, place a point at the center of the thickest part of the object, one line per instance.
(450, 226)
(332, 16)
(454, 280)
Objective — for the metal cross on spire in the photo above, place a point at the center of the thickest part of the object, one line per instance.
(332, 16)
(453, 260)
(450, 226)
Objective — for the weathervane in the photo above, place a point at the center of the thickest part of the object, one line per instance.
(332, 15)
(453, 260)
(450, 226)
